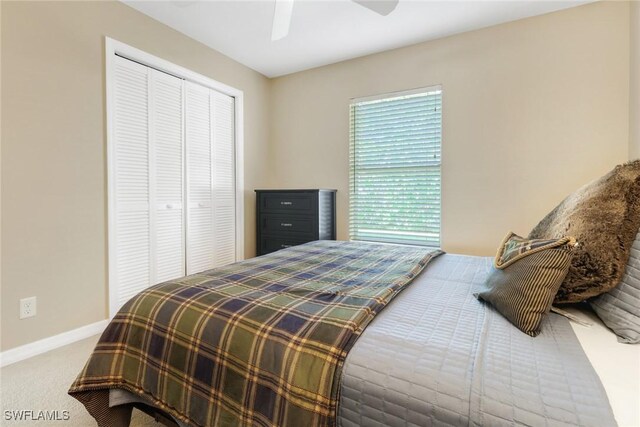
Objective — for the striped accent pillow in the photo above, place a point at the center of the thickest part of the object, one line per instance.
(526, 278)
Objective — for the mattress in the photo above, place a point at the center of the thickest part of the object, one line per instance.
(437, 356)
(617, 364)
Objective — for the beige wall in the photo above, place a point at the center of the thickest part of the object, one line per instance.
(634, 89)
(531, 110)
(53, 141)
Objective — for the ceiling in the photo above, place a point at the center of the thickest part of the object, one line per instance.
(327, 31)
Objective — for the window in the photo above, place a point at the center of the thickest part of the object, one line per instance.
(395, 168)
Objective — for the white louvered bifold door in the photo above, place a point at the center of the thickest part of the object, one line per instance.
(172, 206)
(130, 151)
(200, 238)
(167, 185)
(224, 189)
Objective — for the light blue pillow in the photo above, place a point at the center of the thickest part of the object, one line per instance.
(619, 308)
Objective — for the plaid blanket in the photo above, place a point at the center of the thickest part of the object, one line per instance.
(260, 342)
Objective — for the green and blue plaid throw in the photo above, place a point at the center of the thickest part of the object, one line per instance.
(260, 342)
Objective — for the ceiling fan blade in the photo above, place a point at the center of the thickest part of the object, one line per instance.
(382, 7)
(281, 19)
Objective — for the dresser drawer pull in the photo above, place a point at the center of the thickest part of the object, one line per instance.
(285, 224)
(286, 203)
(285, 246)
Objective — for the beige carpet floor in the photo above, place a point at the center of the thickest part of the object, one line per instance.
(41, 383)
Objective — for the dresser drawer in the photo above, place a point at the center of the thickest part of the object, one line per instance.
(283, 224)
(303, 203)
(272, 244)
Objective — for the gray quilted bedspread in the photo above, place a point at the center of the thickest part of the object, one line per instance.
(438, 357)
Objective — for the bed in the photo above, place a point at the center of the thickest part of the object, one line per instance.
(437, 356)
(617, 365)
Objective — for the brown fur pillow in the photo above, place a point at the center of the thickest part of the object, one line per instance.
(604, 217)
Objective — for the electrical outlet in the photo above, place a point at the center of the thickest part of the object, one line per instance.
(27, 307)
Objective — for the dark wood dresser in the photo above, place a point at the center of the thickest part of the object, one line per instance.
(291, 217)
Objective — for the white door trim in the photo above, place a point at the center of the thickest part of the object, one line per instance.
(113, 48)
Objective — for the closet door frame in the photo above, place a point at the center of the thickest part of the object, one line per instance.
(113, 48)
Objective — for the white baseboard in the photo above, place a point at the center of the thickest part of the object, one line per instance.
(42, 346)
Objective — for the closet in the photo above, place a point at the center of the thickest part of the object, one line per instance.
(172, 179)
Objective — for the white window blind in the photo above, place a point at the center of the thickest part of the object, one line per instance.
(395, 166)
